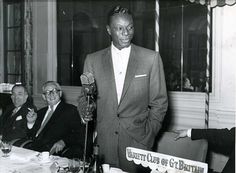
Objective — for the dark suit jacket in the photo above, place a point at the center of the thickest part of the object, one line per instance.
(64, 125)
(222, 141)
(138, 117)
(14, 127)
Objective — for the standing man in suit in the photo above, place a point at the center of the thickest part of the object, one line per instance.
(219, 140)
(131, 88)
(13, 123)
(56, 126)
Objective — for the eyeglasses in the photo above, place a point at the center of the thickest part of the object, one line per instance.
(51, 92)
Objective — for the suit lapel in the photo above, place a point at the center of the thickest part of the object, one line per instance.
(54, 116)
(109, 73)
(131, 69)
(11, 117)
(15, 115)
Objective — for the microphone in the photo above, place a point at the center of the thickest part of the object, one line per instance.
(88, 84)
(87, 105)
(86, 102)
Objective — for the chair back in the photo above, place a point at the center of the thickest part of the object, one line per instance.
(184, 147)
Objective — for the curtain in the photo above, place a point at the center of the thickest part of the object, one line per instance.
(214, 3)
(210, 4)
(28, 58)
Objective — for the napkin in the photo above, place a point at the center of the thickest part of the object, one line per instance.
(23, 155)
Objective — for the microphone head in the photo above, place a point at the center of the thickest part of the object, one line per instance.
(88, 83)
(87, 78)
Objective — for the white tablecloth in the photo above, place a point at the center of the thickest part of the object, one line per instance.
(23, 160)
(26, 161)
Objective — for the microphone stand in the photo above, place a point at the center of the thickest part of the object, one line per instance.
(86, 138)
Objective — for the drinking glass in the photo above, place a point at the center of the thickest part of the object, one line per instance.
(6, 148)
(74, 165)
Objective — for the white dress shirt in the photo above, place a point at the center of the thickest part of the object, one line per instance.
(120, 59)
(15, 110)
(189, 132)
(49, 109)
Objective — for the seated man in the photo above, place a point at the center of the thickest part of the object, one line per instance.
(57, 126)
(13, 123)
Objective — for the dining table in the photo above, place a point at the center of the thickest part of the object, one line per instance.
(21, 160)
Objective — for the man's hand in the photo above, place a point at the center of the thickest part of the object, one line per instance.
(181, 134)
(31, 117)
(57, 147)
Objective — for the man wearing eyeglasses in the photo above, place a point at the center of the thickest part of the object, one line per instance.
(57, 126)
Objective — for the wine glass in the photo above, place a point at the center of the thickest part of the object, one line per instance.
(74, 165)
(6, 148)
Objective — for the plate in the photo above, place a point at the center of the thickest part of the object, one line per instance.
(50, 159)
(45, 160)
(40, 160)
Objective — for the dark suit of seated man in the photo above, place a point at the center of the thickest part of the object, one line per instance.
(57, 127)
(13, 123)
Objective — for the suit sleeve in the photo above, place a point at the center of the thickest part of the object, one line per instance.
(4, 116)
(77, 133)
(158, 101)
(74, 126)
(32, 132)
(221, 140)
(87, 65)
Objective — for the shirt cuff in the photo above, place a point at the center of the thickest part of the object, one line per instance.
(30, 125)
(189, 133)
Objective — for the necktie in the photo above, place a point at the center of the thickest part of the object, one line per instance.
(45, 121)
(14, 111)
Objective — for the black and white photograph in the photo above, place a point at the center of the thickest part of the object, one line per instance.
(117, 86)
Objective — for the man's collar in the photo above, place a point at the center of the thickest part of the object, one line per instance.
(54, 106)
(16, 109)
(113, 48)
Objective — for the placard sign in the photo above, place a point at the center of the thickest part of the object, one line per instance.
(164, 163)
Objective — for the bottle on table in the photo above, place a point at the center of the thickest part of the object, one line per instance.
(94, 166)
